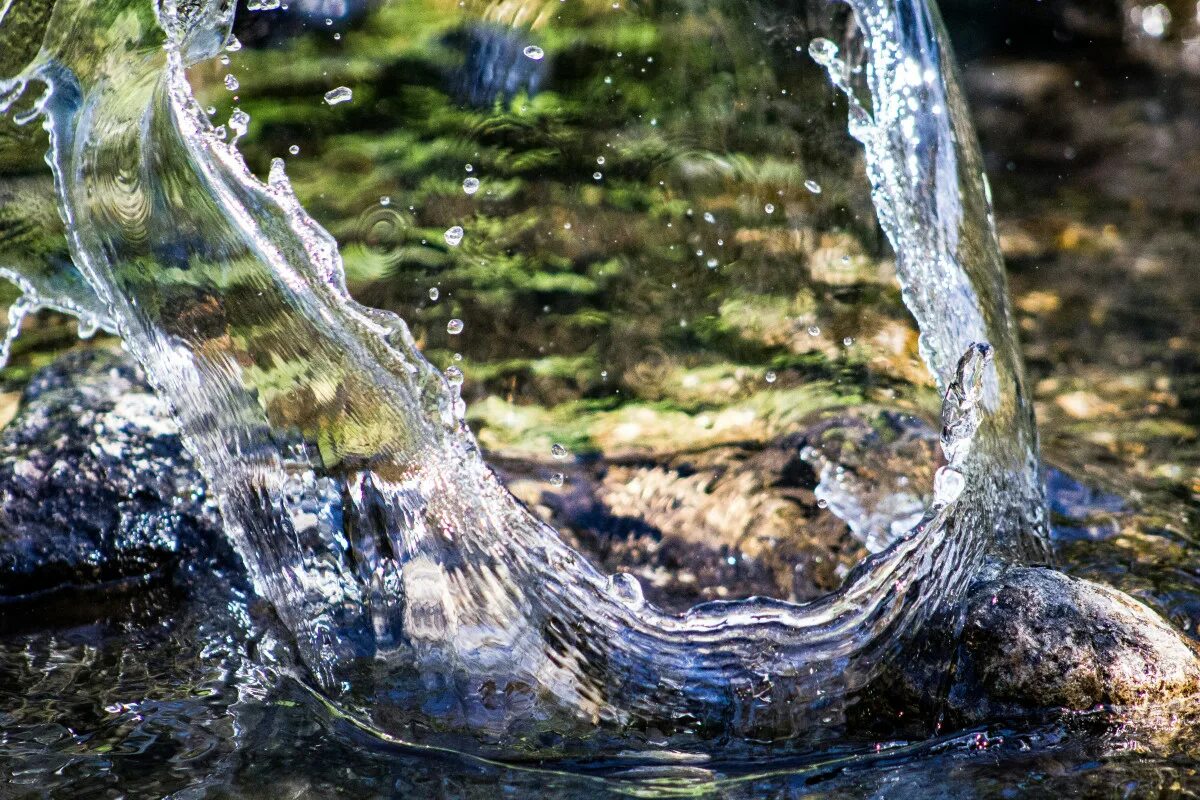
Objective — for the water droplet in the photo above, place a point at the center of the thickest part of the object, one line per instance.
(434, 294)
(231, 83)
(454, 236)
(712, 263)
(709, 218)
(822, 50)
(534, 53)
(849, 340)
(471, 185)
(469, 168)
(813, 330)
(769, 208)
(294, 149)
(233, 44)
(454, 376)
(822, 503)
(600, 160)
(239, 123)
(627, 589)
(385, 200)
(597, 175)
(339, 95)
(558, 451)
(948, 484)
(557, 479)
(812, 186)
(454, 327)
(771, 377)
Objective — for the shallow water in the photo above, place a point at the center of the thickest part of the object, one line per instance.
(582, 371)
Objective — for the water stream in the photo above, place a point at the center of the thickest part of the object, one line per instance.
(423, 600)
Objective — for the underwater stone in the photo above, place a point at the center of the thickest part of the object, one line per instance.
(95, 485)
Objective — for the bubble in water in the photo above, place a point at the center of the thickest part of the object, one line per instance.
(948, 484)
(339, 95)
(812, 186)
(557, 479)
(534, 53)
(822, 50)
(627, 589)
(454, 376)
(231, 83)
(769, 208)
(770, 377)
(434, 294)
(262, 5)
(454, 236)
(813, 330)
(454, 327)
(294, 149)
(558, 451)
(471, 185)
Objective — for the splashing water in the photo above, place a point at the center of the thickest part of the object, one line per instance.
(416, 587)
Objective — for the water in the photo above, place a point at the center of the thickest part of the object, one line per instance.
(427, 605)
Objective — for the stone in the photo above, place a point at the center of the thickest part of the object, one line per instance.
(1034, 638)
(95, 485)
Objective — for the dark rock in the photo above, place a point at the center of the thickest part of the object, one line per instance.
(1035, 638)
(95, 485)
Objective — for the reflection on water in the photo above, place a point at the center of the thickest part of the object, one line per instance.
(669, 245)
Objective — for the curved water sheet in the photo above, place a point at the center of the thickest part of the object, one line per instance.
(425, 601)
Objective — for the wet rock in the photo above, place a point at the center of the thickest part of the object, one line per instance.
(1035, 638)
(95, 485)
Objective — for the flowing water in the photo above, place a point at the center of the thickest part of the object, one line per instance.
(422, 629)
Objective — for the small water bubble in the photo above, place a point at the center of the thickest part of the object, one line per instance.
(812, 186)
(454, 376)
(231, 83)
(769, 208)
(558, 451)
(339, 95)
(454, 327)
(454, 236)
(557, 479)
(534, 53)
(434, 294)
(294, 149)
(814, 330)
(771, 377)
(471, 185)
(627, 589)
(948, 484)
(822, 50)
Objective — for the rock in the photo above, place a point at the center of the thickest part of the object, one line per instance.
(95, 485)
(1035, 638)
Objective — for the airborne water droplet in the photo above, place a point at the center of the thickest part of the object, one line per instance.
(454, 236)
(454, 327)
(812, 186)
(231, 83)
(813, 330)
(454, 376)
(294, 149)
(534, 53)
(339, 95)
(558, 451)
(471, 185)
(557, 479)
(769, 208)
(771, 377)
(434, 294)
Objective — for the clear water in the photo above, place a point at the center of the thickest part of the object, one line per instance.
(419, 604)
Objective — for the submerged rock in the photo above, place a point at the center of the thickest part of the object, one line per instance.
(95, 485)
